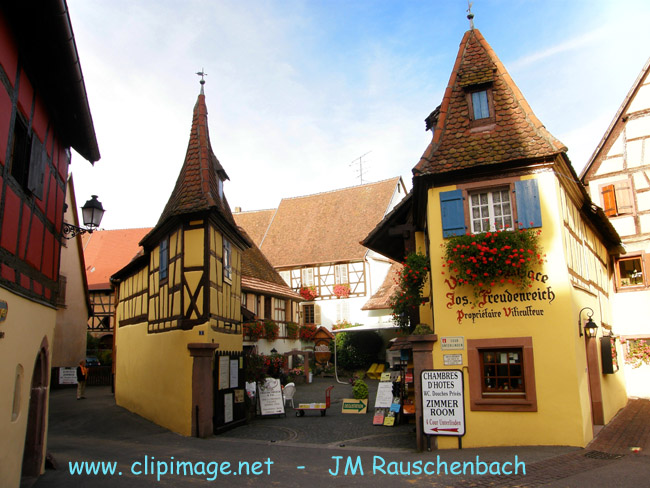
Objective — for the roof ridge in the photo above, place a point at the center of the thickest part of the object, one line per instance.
(343, 189)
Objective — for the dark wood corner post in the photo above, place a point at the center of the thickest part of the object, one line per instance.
(202, 388)
(422, 359)
(594, 377)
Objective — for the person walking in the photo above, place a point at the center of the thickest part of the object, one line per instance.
(82, 374)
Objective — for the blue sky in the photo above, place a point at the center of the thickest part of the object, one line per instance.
(297, 90)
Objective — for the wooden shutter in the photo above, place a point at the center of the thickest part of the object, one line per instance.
(341, 274)
(452, 213)
(529, 212)
(623, 196)
(37, 161)
(317, 314)
(307, 275)
(609, 200)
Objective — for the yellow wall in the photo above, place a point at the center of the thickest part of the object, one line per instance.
(563, 413)
(25, 327)
(154, 367)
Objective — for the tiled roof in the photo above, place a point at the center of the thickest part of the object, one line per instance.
(326, 227)
(381, 299)
(255, 222)
(107, 251)
(197, 186)
(515, 134)
(259, 275)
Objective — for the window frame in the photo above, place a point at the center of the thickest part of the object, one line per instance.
(279, 309)
(227, 260)
(522, 402)
(491, 205)
(309, 314)
(484, 123)
(643, 258)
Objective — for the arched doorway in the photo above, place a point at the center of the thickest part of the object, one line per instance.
(35, 435)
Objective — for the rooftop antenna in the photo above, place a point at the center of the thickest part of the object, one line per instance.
(202, 74)
(359, 161)
(470, 15)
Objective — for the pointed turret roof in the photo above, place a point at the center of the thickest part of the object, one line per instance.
(514, 134)
(199, 184)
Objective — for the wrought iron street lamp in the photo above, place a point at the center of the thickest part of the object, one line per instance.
(92, 213)
(591, 327)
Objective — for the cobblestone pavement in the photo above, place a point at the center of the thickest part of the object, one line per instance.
(305, 450)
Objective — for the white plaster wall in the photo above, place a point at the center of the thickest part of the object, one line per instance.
(642, 99)
(634, 153)
(641, 180)
(637, 381)
(630, 311)
(624, 225)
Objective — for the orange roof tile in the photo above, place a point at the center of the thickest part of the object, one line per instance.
(516, 133)
(255, 222)
(106, 251)
(381, 299)
(326, 227)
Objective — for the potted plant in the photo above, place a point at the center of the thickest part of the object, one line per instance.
(488, 259)
(408, 297)
(360, 390)
(342, 290)
(306, 332)
(292, 330)
(253, 330)
(271, 330)
(308, 292)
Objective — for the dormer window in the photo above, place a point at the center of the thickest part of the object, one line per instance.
(220, 187)
(480, 105)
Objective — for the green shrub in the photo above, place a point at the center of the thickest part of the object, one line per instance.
(360, 390)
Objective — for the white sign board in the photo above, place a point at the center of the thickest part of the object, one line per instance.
(270, 397)
(67, 376)
(384, 395)
(227, 408)
(452, 359)
(447, 343)
(443, 402)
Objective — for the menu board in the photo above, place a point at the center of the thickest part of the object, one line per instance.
(384, 395)
(270, 397)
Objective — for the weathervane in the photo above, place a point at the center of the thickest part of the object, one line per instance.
(470, 15)
(202, 74)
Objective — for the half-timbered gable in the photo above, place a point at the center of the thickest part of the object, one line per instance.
(492, 171)
(313, 242)
(44, 113)
(180, 303)
(618, 177)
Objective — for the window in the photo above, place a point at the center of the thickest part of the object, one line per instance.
(480, 105)
(502, 374)
(341, 274)
(280, 312)
(307, 276)
(484, 209)
(630, 272)
(617, 198)
(164, 258)
(21, 153)
(490, 210)
(227, 260)
(220, 187)
(311, 314)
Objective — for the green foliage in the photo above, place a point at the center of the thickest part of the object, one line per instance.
(357, 350)
(491, 258)
(638, 352)
(408, 296)
(360, 390)
(271, 330)
(253, 330)
(422, 329)
(292, 330)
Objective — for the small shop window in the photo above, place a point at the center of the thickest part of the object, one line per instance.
(502, 371)
(502, 374)
(630, 272)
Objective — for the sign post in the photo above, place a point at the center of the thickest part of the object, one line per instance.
(443, 402)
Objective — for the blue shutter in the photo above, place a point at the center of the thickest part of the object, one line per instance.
(528, 207)
(452, 212)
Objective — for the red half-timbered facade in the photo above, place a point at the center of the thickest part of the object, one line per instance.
(44, 112)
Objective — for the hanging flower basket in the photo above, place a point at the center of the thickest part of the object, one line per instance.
(342, 290)
(308, 292)
(271, 330)
(253, 330)
(491, 258)
(408, 296)
(307, 332)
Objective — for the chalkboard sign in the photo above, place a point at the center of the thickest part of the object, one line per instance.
(270, 400)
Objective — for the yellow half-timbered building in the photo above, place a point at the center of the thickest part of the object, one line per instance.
(178, 341)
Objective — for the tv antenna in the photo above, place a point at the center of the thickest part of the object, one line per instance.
(360, 171)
